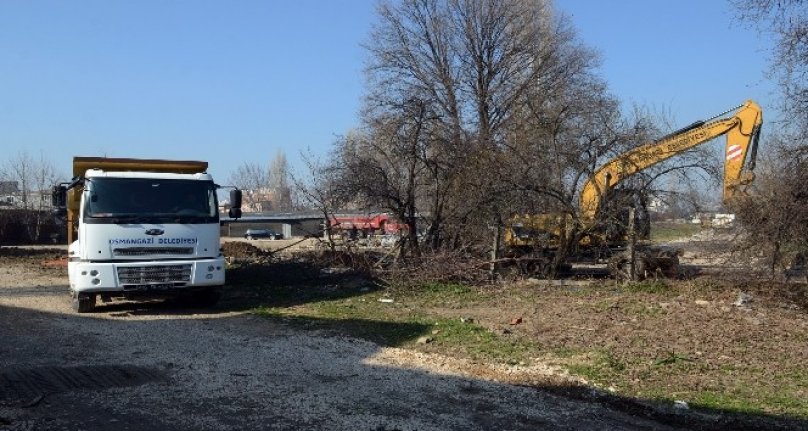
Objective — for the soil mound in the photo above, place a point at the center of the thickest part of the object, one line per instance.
(242, 250)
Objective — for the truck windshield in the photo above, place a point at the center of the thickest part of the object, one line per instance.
(144, 200)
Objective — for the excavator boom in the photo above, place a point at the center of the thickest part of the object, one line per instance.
(742, 130)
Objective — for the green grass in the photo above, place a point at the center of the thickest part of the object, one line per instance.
(600, 366)
(725, 401)
(477, 342)
(425, 312)
(647, 286)
(450, 295)
(403, 321)
(661, 232)
(671, 358)
(393, 334)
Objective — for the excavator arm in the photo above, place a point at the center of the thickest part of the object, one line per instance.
(742, 130)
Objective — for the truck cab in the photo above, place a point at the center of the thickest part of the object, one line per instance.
(143, 233)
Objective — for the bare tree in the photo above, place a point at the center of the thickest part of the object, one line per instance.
(387, 168)
(480, 66)
(414, 56)
(254, 180)
(34, 177)
(319, 188)
(479, 109)
(683, 199)
(776, 217)
(279, 182)
(265, 189)
(787, 21)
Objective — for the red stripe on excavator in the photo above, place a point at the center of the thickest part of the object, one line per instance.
(734, 152)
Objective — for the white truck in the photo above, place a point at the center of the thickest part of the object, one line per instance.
(142, 228)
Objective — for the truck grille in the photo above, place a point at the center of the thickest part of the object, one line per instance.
(152, 251)
(139, 275)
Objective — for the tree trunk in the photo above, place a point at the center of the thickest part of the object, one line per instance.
(632, 243)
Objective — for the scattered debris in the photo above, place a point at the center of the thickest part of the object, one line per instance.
(516, 321)
(672, 358)
(425, 340)
(679, 404)
(60, 262)
(466, 320)
(239, 250)
(744, 299)
(335, 270)
(386, 300)
(702, 302)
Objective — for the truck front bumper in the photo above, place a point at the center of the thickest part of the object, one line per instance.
(145, 276)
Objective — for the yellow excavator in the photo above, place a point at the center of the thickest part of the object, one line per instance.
(528, 233)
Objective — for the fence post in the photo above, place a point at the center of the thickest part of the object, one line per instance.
(492, 269)
(632, 242)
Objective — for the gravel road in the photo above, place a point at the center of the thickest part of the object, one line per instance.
(151, 366)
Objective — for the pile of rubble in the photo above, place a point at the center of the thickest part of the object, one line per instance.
(242, 251)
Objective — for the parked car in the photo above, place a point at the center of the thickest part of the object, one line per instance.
(262, 233)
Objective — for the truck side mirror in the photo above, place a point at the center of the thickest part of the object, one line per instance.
(59, 200)
(235, 204)
(235, 198)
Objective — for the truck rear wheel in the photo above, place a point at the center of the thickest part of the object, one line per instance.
(83, 302)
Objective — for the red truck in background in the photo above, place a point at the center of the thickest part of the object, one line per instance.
(365, 225)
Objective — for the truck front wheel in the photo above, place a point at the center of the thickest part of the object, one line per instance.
(83, 302)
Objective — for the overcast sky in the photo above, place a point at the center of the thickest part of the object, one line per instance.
(229, 82)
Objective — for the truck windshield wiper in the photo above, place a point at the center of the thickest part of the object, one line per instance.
(123, 217)
(139, 219)
(189, 218)
(119, 218)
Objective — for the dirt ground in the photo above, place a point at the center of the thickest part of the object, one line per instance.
(166, 367)
(691, 339)
(161, 365)
(673, 343)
